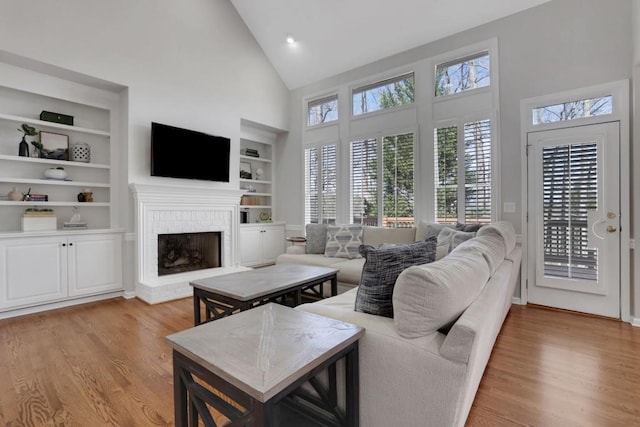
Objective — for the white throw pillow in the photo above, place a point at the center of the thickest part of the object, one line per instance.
(343, 241)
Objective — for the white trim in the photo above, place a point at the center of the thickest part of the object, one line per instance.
(517, 301)
(60, 304)
(635, 321)
(620, 91)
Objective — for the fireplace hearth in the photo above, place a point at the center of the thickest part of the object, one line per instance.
(183, 252)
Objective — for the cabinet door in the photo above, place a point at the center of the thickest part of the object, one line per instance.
(250, 246)
(32, 271)
(95, 264)
(272, 242)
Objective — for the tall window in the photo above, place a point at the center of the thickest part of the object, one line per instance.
(384, 94)
(320, 165)
(322, 110)
(463, 173)
(382, 181)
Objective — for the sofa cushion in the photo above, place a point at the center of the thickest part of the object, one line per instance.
(343, 241)
(316, 235)
(428, 229)
(429, 297)
(490, 246)
(350, 270)
(448, 239)
(505, 230)
(376, 236)
(309, 259)
(468, 227)
(381, 269)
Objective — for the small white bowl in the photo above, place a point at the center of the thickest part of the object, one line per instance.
(54, 173)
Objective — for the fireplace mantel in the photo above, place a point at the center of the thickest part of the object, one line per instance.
(176, 209)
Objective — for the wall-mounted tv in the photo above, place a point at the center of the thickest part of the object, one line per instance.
(184, 153)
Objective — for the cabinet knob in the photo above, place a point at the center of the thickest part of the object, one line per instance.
(64, 244)
(70, 244)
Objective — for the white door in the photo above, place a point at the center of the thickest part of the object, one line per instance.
(574, 218)
(32, 271)
(95, 264)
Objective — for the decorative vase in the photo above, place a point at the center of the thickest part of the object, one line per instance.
(15, 195)
(23, 149)
(81, 152)
(55, 173)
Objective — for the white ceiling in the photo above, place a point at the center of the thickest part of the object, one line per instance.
(338, 35)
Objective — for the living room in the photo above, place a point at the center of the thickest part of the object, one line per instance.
(197, 66)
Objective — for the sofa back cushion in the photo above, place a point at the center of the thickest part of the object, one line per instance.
(316, 235)
(448, 239)
(429, 297)
(377, 236)
(490, 246)
(381, 269)
(343, 241)
(505, 230)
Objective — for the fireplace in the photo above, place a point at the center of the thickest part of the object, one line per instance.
(183, 252)
(174, 210)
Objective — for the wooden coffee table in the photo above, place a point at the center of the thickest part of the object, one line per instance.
(231, 293)
(258, 360)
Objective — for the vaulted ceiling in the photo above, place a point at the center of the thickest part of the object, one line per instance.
(333, 36)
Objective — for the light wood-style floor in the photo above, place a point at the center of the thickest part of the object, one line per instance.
(107, 364)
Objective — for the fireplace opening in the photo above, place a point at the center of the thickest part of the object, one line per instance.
(182, 252)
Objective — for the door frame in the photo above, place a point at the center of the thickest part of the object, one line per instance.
(619, 90)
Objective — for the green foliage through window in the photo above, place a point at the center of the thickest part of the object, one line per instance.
(382, 95)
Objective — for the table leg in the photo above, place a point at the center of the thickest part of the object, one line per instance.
(334, 285)
(352, 408)
(196, 308)
(179, 397)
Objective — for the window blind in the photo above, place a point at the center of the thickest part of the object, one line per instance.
(477, 172)
(569, 191)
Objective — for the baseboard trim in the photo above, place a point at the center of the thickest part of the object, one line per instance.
(635, 321)
(516, 300)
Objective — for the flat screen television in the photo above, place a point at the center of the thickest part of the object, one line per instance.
(184, 153)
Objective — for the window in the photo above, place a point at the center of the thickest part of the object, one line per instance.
(463, 185)
(573, 110)
(322, 110)
(382, 181)
(320, 168)
(382, 95)
(471, 72)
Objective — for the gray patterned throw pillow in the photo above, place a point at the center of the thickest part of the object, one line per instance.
(316, 235)
(343, 241)
(381, 269)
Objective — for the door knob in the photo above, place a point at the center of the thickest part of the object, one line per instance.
(612, 229)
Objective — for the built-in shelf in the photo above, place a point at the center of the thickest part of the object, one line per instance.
(19, 119)
(54, 203)
(54, 182)
(254, 181)
(255, 159)
(255, 206)
(53, 162)
(258, 194)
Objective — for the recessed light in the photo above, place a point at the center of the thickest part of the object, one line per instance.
(290, 40)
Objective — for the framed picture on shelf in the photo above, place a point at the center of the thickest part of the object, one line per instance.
(54, 146)
(245, 170)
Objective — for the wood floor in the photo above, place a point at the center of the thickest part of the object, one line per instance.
(107, 364)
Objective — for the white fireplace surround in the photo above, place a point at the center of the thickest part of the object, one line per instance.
(162, 209)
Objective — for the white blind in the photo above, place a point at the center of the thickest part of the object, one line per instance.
(398, 180)
(329, 184)
(477, 172)
(569, 191)
(320, 184)
(383, 166)
(364, 182)
(446, 174)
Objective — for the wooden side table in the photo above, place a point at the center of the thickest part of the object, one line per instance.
(259, 359)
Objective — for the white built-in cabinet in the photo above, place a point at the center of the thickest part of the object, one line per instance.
(260, 244)
(46, 269)
(42, 267)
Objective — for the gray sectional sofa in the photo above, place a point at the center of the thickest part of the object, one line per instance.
(423, 366)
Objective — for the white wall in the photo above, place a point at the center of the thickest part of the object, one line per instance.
(557, 46)
(192, 64)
